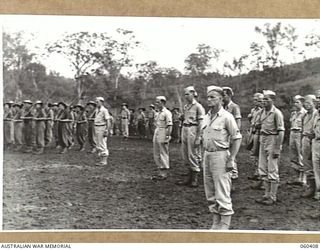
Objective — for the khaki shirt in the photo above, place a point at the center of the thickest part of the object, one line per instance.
(102, 116)
(218, 129)
(307, 123)
(192, 113)
(316, 126)
(255, 116)
(296, 119)
(151, 114)
(234, 109)
(125, 114)
(271, 121)
(163, 118)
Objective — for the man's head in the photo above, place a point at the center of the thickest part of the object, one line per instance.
(189, 93)
(257, 99)
(151, 107)
(17, 106)
(227, 94)
(62, 105)
(214, 96)
(309, 102)
(99, 101)
(124, 105)
(160, 102)
(27, 103)
(39, 104)
(268, 98)
(298, 102)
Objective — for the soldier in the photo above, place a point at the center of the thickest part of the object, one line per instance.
(221, 141)
(295, 141)
(91, 106)
(65, 120)
(254, 134)
(18, 126)
(8, 127)
(234, 109)
(101, 127)
(81, 126)
(161, 138)
(193, 114)
(141, 120)
(125, 120)
(271, 139)
(176, 128)
(27, 117)
(151, 115)
(316, 149)
(56, 111)
(307, 136)
(40, 126)
(132, 127)
(49, 113)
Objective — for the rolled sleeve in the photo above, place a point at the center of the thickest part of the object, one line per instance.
(232, 128)
(279, 121)
(201, 112)
(169, 118)
(237, 112)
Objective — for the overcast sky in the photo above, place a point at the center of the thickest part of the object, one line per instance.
(166, 40)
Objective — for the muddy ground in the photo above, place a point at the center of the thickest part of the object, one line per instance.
(54, 191)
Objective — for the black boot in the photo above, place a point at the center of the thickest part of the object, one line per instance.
(187, 181)
(311, 189)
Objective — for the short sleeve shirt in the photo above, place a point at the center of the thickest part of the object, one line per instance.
(255, 115)
(234, 109)
(271, 121)
(125, 114)
(193, 113)
(307, 123)
(163, 118)
(218, 129)
(102, 116)
(296, 119)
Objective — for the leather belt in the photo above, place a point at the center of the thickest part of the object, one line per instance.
(100, 125)
(217, 149)
(189, 125)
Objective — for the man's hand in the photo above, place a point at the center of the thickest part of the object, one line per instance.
(168, 138)
(197, 141)
(230, 164)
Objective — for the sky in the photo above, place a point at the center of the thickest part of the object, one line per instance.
(168, 41)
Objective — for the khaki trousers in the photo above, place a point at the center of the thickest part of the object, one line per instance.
(190, 152)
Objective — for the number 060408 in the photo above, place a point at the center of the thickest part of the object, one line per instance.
(308, 246)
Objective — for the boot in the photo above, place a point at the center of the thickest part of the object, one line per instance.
(103, 162)
(39, 152)
(194, 179)
(215, 221)
(273, 194)
(266, 192)
(63, 151)
(303, 178)
(317, 195)
(225, 222)
(311, 190)
(162, 175)
(187, 181)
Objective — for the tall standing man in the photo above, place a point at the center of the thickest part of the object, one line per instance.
(125, 120)
(272, 134)
(27, 117)
(8, 127)
(151, 116)
(81, 126)
(161, 138)
(295, 141)
(316, 149)
(49, 124)
(307, 136)
(234, 109)
(91, 113)
(18, 126)
(101, 129)
(221, 141)
(193, 114)
(40, 126)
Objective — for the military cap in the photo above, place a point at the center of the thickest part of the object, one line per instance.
(151, 105)
(124, 104)
(100, 98)
(27, 101)
(79, 106)
(214, 88)
(161, 98)
(259, 95)
(39, 102)
(228, 90)
(92, 103)
(298, 97)
(63, 104)
(269, 92)
(9, 102)
(310, 97)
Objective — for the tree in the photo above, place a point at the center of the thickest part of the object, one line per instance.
(197, 63)
(80, 49)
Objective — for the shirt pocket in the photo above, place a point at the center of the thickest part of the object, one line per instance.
(192, 116)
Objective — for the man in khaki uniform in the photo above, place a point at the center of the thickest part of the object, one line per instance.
(125, 120)
(8, 126)
(307, 136)
(49, 124)
(151, 115)
(81, 126)
(91, 109)
(316, 149)
(101, 129)
(221, 140)
(18, 126)
(161, 138)
(193, 114)
(27, 117)
(295, 141)
(234, 109)
(271, 139)
(40, 126)
(254, 133)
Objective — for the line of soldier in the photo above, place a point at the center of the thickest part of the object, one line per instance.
(211, 141)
